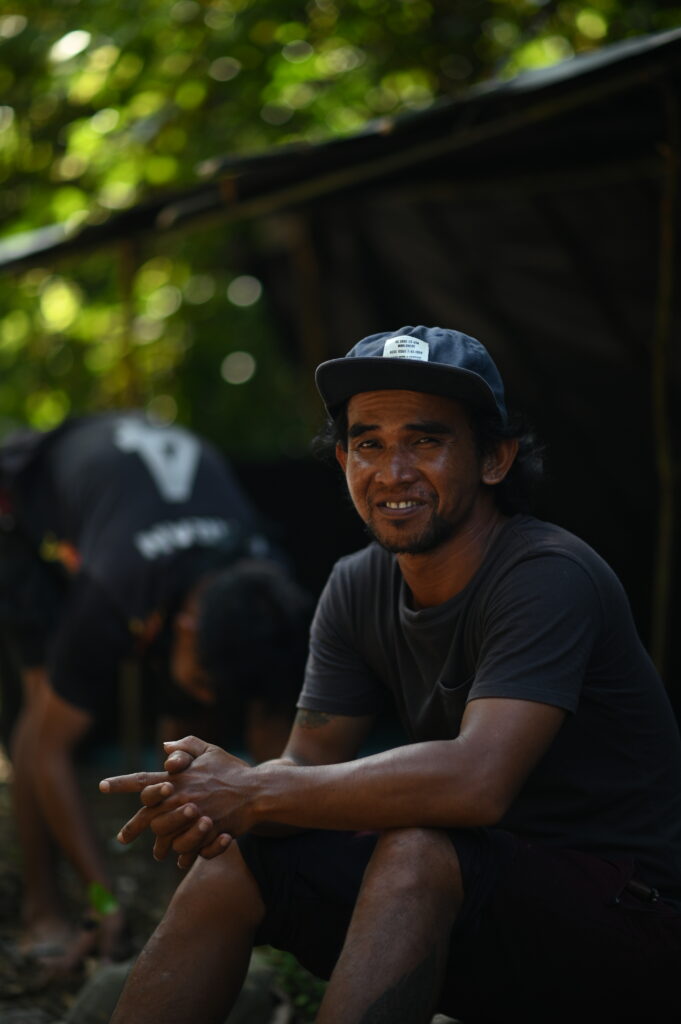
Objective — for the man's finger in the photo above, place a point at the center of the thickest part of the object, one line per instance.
(185, 860)
(178, 761)
(156, 794)
(136, 825)
(210, 850)
(162, 847)
(192, 839)
(131, 783)
(189, 744)
(218, 846)
(174, 822)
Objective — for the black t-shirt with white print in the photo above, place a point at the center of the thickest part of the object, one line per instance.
(136, 511)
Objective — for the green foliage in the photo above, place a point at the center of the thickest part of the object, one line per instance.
(303, 989)
(103, 105)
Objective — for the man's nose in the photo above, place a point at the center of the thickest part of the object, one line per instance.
(397, 466)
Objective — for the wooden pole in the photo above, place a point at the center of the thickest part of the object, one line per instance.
(665, 456)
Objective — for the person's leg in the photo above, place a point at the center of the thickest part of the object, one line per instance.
(46, 927)
(392, 963)
(194, 964)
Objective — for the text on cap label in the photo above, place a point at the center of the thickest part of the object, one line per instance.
(404, 346)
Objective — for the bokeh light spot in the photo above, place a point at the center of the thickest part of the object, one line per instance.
(69, 46)
(162, 409)
(238, 367)
(244, 290)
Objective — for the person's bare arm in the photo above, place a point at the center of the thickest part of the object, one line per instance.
(468, 781)
(320, 738)
(51, 728)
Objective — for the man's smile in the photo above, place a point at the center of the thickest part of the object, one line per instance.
(400, 504)
(416, 498)
(397, 508)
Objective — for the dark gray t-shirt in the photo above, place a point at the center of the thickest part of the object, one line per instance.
(543, 619)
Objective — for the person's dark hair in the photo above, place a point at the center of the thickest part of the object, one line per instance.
(513, 494)
(252, 633)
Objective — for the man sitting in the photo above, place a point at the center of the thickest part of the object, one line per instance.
(519, 859)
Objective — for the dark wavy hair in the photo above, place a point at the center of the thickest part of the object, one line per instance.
(252, 636)
(513, 494)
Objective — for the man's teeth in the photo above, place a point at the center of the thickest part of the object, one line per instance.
(401, 504)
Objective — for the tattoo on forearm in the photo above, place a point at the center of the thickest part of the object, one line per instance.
(311, 719)
(411, 999)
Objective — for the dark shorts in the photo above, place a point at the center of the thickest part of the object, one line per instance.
(543, 935)
(31, 593)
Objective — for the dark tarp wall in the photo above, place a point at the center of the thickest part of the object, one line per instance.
(540, 215)
(551, 238)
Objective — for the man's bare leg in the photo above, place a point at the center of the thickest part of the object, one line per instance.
(194, 964)
(391, 966)
(44, 920)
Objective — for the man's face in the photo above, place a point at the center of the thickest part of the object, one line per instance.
(185, 667)
(412, 468)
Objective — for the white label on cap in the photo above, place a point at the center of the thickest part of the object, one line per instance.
(404, 346)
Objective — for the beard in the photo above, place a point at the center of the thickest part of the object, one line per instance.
(428, 539)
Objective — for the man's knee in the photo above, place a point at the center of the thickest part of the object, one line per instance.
(223, 885)
(418, 861)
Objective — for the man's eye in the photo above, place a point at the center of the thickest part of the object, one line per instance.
(363, 445)
(428, 441)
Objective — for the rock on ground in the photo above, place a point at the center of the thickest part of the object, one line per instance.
(258, 1002)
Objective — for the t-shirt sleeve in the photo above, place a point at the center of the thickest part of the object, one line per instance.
(338, 679)
(538, 630)
(89, 643)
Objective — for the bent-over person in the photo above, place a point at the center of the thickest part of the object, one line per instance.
(123, 539)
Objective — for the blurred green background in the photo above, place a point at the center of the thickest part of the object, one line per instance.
(105, 105)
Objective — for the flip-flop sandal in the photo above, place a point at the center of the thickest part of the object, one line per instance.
(20, 954)
(39, 950)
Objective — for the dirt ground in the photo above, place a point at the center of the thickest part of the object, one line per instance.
(142, 886)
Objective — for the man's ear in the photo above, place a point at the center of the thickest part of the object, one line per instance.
(496, 464)
(341, 456)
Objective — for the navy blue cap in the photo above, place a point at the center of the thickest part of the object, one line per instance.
(429, 359)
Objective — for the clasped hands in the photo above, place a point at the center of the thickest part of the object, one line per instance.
(195, 807)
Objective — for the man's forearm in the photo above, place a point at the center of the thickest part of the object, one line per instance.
(468, 781)
(412, 785)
